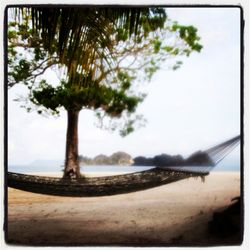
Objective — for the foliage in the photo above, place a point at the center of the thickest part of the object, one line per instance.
(118, 158)
(101, 55)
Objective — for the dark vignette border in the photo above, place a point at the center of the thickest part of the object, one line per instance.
(242, 25)
(5, 226)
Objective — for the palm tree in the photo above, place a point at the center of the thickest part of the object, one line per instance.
(65, 29)
(90, 44)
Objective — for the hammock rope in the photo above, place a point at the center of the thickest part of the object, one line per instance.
(216, 154)
(219, 152)
(118, 184)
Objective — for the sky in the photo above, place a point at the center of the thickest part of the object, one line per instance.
(192, 108)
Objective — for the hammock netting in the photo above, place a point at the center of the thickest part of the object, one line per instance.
(119, 184)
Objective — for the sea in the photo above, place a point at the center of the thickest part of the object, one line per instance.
(84, 169)
(57, 166)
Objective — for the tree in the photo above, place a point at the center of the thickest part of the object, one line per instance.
(100, 53)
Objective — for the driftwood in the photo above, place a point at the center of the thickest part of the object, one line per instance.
(97, 186)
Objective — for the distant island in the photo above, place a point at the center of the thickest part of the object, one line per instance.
(164, 160)
(118, 158)
(124, 159)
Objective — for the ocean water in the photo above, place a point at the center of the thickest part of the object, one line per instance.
(228, 164)
(84, 169)
(225, 165)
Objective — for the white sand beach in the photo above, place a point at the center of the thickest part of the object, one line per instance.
(176, 213)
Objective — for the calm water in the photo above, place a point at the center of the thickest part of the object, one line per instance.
(87, 169)
(57, 167)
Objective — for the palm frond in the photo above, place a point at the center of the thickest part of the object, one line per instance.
(79, 34)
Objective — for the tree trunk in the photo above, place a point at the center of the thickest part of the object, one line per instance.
(72, 168)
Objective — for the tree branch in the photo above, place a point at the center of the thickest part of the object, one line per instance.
(44, 69)
(46, 60)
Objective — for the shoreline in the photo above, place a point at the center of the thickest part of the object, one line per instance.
(100, 174)
(172, 214)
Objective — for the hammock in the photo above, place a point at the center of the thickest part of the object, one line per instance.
(118, 184)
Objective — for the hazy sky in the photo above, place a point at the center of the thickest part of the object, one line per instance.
(188, 109)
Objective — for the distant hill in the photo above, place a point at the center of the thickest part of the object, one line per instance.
(198, 158)
(123, 159)
(101, 160)
(118, 158)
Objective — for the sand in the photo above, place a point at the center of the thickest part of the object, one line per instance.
(173, 214)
